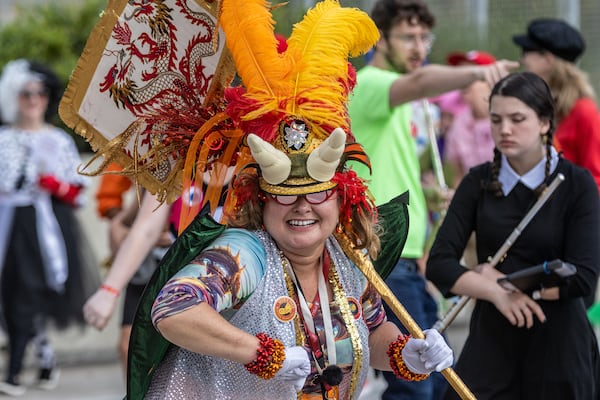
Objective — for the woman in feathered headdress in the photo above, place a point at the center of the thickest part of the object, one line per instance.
(275, 307)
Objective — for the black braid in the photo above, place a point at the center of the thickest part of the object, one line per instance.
(540, 189)
(493, 185)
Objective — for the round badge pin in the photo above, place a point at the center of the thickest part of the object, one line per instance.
(285, 309)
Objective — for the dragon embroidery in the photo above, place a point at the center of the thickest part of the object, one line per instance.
(165, 78)
(162, 81)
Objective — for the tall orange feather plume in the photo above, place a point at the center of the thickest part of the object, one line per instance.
(309, 79)
(320, 45)
(250, 37)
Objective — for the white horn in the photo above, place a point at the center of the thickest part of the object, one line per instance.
(324, 160)
(274, 164)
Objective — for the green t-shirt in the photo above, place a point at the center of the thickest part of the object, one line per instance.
(386, 135)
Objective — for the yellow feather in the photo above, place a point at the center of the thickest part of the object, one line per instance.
(249, 34)
(307, 80)
(320, 45)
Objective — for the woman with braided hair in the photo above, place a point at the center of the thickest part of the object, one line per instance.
(552, 49)
(536, 344)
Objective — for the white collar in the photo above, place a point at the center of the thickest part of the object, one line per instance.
(532, 178)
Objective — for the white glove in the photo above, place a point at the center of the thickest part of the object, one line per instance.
(295, 368)
(423, 356)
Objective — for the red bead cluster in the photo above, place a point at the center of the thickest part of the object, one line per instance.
(353, 192)
(246, 189)
(397, 363)
(269, 357)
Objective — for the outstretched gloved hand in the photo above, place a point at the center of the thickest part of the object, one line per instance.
(295, 368)
(423, 356)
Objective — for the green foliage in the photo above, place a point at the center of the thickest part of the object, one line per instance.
(53, 34)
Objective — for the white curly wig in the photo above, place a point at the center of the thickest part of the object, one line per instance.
(15, 76)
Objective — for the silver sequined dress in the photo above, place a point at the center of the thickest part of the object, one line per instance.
(187, 375)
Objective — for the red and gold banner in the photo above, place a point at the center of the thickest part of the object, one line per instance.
(151, 73)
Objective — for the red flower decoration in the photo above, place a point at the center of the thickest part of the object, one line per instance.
(353, 192)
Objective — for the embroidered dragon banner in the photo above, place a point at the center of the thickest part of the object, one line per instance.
(150, 75)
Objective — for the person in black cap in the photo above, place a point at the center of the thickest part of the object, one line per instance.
(554, 36)
(551, 47)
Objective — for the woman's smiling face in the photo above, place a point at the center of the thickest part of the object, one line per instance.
(301, 228)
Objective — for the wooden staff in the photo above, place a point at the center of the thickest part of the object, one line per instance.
(447, 319)
(366, 267)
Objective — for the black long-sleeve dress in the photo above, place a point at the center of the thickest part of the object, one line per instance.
(557, 359)
(46, 264)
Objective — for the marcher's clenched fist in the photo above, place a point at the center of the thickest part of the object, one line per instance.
(295, 368)
(423, 356)
(98, 309)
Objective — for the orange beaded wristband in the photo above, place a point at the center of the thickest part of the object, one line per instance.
(397, 363)
(269, 357)
(110, 289)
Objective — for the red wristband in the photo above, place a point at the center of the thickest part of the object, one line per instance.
(110, 289)
(269, 357)
(399, 368)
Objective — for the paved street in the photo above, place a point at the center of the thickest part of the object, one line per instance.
(90, 370)
(97, 381)
(89, 366)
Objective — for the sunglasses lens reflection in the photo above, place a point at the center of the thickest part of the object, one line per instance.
(311, 198)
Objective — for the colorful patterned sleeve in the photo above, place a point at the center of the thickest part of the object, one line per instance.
(373, 312)
(222, 275)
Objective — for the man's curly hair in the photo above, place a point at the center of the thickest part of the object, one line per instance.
(388, 13)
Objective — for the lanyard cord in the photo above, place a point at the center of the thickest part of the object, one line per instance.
(309, 323)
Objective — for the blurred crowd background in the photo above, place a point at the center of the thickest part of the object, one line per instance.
(55, 31)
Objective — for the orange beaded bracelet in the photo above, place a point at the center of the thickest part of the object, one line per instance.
(397, 363)
(269, 357)
(110, 289)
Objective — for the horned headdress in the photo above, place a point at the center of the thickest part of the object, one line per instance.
(292, 105)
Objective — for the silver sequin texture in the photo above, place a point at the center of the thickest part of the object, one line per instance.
(186, 375)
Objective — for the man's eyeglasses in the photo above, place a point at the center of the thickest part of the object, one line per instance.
(412, 41)
(311, 198)
(28, 94)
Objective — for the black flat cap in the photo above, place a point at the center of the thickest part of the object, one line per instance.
(553, 35)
